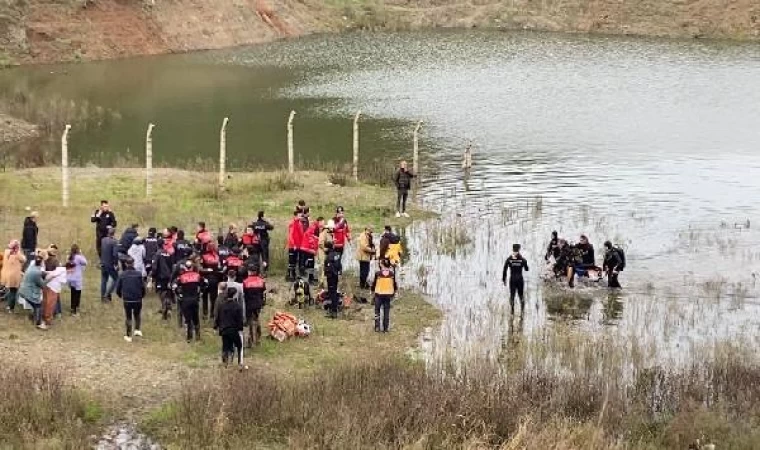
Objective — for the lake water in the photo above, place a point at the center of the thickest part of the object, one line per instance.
(654, 144)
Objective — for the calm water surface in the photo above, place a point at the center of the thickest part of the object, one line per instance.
(654, 144)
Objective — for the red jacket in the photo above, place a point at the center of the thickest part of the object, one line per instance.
(169, 244)
(295, 234)
(203, 237)
(341, 233)
(310, 241)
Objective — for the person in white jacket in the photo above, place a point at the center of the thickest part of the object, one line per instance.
(137, 253)
(55, 280)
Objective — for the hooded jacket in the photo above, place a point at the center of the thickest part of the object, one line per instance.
(32, 284)
(126, 240)
(403, 179)
(295, 234)
(130, 286)
(29, 234)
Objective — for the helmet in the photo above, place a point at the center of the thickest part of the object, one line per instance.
(303, 329)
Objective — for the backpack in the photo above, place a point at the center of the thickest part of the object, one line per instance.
(621, 254)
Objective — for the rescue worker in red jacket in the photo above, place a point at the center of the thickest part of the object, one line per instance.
(254, 293)
(236, 263)
(341, 231)
(189, 287)
(252, 246)
(302, 255)
(211, 269)
(295, 235)
(202, 237)
(310, 246)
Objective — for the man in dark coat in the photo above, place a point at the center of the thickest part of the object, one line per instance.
(103, 218)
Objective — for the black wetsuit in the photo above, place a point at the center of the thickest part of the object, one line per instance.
(515, 264)
(612, 263)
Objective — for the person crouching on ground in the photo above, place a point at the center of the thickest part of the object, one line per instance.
(230, 324)
(384, 287)
(364, 253)
(30, 290)
(514, 266)
(131, 289)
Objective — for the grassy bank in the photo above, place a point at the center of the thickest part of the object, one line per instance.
(88, 352)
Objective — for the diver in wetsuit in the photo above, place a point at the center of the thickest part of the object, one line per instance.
(553, 248)
(515, 264)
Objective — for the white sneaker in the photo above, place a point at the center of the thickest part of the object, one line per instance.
(405, 215)
(137, 333)
(42, 326)
(127, 338)
(398, 214)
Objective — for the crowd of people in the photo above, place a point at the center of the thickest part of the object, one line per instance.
(191, 273)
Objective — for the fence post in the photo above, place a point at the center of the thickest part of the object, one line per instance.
(65, 165)
(416, 150)
(223, 152)
(356, 145)
(149, 161)
(291, 164)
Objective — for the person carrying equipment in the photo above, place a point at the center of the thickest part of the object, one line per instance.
(390, 247)
(614, 263)
(254, 291)
(189, 287)
(514, 265)
(301, 294)
(230, 324)
(384, 286)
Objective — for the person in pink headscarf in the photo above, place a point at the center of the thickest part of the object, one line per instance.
(11, 273)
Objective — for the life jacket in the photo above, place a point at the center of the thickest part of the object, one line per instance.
(251, 240)
(295, 234)
(210, 260)
(254, 289)
(385, 282)
(189, 285)
(234, 262)
(341, 232)
(203, 237)
(310, 241)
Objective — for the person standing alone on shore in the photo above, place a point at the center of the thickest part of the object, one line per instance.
(103, 218)
(403, 181)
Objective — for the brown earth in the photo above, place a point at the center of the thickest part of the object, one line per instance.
(43, 31)
(13, 129)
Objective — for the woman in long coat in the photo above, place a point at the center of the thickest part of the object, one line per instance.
(11, 273)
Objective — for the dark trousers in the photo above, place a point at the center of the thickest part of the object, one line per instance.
(265, 251)
(363, 274)
(332, 293)
(303, 258)
(209, 298)
(612, 280)
(107, 272)
(76, 300)
(192, 320)
(10, 298)
(36, 313)
(292, 263)
(516, 287)
(98, 239)
(29, 253)
(309, 267)
(132, 312)
(402, 195)
(167, 299)
(383, 303)
(231, 343)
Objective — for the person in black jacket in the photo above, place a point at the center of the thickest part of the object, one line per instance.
(103, 218)
(109, 265)
(613, 264)
(333, 269)
(262, 227)
(152, 244)
(29, 237)
(514, 265)
(161, 271)
(553, 248)
(229, 322)
(189, 286)
(131, 289)
(183, 249)
(403, 181)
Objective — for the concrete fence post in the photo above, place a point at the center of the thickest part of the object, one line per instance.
(291, 155)
(65, 165)
(149, 161)
(223, 152)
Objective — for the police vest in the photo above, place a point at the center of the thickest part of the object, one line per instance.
(384, 282)
(234, 262)
(210, 259)
(253, 282)
(189, 277)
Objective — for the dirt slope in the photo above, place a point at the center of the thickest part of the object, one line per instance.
(40, 31)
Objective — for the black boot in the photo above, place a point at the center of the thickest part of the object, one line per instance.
(377, 324)
(198, 333)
